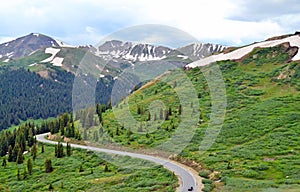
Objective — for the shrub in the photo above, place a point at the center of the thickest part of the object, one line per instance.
(204, 174)
(250, 174)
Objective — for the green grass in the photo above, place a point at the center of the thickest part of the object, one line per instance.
(258, 146)
(66, 170)
(27, 61)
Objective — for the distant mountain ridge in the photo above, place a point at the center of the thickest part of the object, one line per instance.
(116, 49)
(289, 41)
(198, 51)
(25, 45)
(42, 49)
(131, 51)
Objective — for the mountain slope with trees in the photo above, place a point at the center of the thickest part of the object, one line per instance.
(258, 145)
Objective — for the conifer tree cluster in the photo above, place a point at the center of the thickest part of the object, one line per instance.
(92, 116)
(15, 143)
(65, 125)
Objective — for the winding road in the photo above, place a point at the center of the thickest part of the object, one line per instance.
(187, 177)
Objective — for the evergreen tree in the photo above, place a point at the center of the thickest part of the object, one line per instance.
(139, 111)
(61, 126)
(29, 166)
(25, 174)
(170, 110)
(4, 162)
(105, 168)
(48, 166)
(10, 154)
(59, 150)
(15, 152)
(31, 139)
(21, 139)
(43, 148)
(20, 157)
(66, 119)
(34, 152)
(99, 112)
(68, 130)
(72, 130)
(69, 150)
(180, 109)
(3, 144)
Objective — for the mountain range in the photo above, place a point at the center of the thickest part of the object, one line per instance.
(42, 70)
(256, 146)
(41, 49)
(54, 60)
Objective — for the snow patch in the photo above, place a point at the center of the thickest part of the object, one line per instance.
(52, 44)
(57, 61)
(9, 55)
(1, 56)
(239, 53)
(182, 56)
(6, 44)
(6, 60)
(101, 75)
(36, 34)
(33, 64)
(52, 51)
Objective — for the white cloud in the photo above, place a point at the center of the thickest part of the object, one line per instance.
(85, 21)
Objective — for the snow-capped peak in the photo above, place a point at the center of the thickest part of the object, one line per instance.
(198, 51)
(131, 51)
(293, 40)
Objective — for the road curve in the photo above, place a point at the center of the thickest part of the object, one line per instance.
(188, 179)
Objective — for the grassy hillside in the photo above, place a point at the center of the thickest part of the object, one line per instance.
(258, 145)
(67, 176)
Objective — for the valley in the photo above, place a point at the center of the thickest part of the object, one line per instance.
(256, 147)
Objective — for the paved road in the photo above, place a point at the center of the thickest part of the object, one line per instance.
(187, 178)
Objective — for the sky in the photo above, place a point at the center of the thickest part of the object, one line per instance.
(82, 22)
